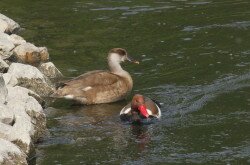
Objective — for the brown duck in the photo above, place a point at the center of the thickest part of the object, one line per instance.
(100, 86)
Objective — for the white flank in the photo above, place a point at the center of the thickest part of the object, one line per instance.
(87, 88)
(150, 112)
(159, 111)
(69, 97)
(125, 111)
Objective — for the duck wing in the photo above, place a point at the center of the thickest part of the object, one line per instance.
(156, 102)
(93, 78)
(153, 107)
(95, 87)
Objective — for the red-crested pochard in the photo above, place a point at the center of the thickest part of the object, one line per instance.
(100, 86)
(139, 108)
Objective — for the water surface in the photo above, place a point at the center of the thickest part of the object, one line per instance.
(195, 60)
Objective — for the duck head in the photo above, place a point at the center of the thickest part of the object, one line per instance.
(138, 107)
(118, 55)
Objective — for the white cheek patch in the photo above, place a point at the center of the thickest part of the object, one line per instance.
(125, 111)
(87, 88)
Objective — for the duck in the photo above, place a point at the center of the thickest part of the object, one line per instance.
(100, 86)
(140, 108)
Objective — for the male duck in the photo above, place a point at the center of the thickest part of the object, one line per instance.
(100, 86)
(140, 107)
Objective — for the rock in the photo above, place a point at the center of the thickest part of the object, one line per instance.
(3, 90)
(7, 25)
(6, 46)
(30, 54)
(6, 115)
(3, 66)
(44, 54)
(17, 40)
(32, 108)
(29, 122)
(50, 70)
(11, 154)
(29, 77)
(3, 26)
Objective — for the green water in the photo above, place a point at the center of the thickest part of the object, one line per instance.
(195, 60)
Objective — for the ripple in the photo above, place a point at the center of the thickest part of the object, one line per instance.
(110, 8)
(239, 25)
(198, 3)
(133, 10)
(180, 100)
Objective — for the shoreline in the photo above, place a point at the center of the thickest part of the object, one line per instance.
(26, 76)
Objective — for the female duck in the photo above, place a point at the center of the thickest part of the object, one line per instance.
(100, 86)
(139, 108)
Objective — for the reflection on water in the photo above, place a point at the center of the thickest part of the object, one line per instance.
(142, 136)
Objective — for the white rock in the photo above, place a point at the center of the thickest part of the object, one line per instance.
(18, 71)
(26, 47)
(6, 46)
(29, 119)
(12, 26)
(50, 70)
(3, 90)
(16, 39)
(11, 154)
(30, 54)
(8, 81)
(20, 133)
(29, 77)
(6, 115)
(3, 65)
(3, 25)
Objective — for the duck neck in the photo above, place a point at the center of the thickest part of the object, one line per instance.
(116, 68)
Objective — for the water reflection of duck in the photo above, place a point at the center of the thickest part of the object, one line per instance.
(100, 86)
(139, 108)
(142, 136)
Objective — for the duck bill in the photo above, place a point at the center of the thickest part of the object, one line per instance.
(130, 59)
(143, 111)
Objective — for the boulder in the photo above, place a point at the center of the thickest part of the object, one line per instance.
(29, 77)
(32, 108)
(3, 66)
(50, 70)
(3, 26)
(7, 25)
(29, 120)
(30, 54)
(3, 90)
(6, 46)
(11, 154)
(16, 39)
(6, 115)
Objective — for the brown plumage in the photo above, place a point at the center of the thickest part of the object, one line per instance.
(100, 86)
(140, 107)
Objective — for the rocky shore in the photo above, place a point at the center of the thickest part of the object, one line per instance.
(25, 78)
